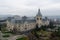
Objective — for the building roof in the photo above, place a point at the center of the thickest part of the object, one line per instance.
(39, 13)
(23, 20)
(26, 19)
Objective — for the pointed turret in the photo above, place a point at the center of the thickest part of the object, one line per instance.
(39, 19)
(39, 13)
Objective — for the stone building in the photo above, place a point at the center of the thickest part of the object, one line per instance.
(27, 23)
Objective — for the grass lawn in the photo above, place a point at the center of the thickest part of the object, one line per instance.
(6, 35)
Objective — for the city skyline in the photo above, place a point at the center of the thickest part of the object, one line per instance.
(30, 7)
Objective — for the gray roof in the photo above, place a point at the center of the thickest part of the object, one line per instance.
(39, 13)
(28, 20)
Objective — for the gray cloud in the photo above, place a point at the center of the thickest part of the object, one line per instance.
(29, 7)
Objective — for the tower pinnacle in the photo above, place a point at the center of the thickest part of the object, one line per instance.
(39, 13)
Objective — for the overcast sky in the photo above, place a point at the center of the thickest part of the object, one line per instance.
(30, 7)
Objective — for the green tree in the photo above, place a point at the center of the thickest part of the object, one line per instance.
(51, 25)
(58, 32)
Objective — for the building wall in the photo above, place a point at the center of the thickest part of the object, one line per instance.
(25, 27)
(39, 21)
(10, 26)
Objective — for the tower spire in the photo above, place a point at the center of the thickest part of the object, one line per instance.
(39, 13)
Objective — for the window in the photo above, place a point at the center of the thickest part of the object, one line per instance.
(25, 28)
(18, 29)
(19, 25)
(37, 18)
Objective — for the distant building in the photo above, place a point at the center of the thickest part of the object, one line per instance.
(27, 23)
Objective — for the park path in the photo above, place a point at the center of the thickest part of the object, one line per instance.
(12, 37)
